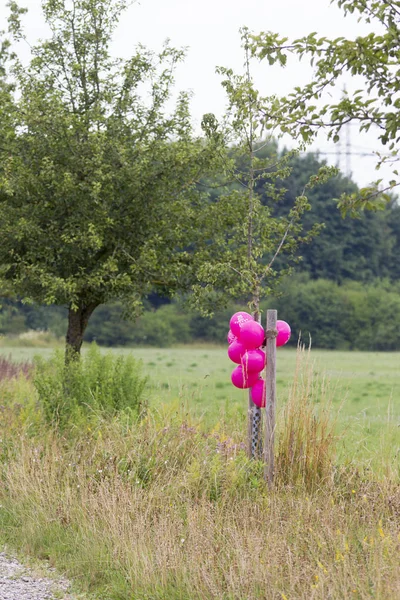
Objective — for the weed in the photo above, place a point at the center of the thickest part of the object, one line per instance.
(98, 385)
(10, 369)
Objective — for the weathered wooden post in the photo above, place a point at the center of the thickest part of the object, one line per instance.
(270, 405)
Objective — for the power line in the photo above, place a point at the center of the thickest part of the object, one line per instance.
(347, 153)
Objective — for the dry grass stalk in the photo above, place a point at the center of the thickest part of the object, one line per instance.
(10, 369)
(307, 440)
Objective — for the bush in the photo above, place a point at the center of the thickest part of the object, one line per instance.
(162, 328)
(97, 385)
(352, 316)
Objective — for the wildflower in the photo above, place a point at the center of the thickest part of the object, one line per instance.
(321, 566)
(339, 556)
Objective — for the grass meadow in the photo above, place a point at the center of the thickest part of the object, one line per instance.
(363, 387)
(168, 507)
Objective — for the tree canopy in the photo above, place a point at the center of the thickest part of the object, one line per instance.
(361, 249)
(97, 177)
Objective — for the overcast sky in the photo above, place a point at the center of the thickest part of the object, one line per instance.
(210, 30)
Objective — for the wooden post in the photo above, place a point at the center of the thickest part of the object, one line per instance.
(270, 404)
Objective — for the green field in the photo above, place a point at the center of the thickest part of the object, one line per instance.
(364, 388)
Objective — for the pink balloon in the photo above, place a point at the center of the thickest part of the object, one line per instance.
(284, 332)
(243, 380)
(251, 335)
(231, 337)
(235, 351)
(258, 393)
(237, 320)
(253, 361)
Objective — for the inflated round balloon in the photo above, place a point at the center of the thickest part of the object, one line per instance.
(284, 332)
(235, 351)
(241, 379)
(253, 361)
(237, 321)
(231, 337)
(258, 393)
(252, 335)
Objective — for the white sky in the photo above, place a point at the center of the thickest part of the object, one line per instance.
(210, 30)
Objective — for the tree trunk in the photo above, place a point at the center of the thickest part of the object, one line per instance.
(77, 322)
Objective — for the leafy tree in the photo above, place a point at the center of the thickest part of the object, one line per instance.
(97, 180)
(308, 109)
(254, 237)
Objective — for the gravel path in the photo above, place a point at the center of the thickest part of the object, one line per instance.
(19, 583)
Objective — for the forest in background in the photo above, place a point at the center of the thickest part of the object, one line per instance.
(347, 275)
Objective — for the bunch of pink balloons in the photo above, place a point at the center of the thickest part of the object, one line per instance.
(245, 337)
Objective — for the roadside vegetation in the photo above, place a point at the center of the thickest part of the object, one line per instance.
(136, 502)
(126, 470)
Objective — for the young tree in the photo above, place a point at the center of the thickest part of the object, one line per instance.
(308, 109)
(242, 262)
(97, 179)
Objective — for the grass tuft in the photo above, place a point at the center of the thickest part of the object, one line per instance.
(307, 441)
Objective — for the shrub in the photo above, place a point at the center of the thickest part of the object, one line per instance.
(162, 328)
(97, 385)
(351, 316)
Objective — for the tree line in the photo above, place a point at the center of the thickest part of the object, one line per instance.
(107, 195)
(346, 274)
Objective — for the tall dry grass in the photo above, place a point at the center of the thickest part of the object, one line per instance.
(157, 510)
(306, 428)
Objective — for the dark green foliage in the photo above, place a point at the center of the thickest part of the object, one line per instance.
(16, 318)
(99, 385)
(351, 316)
(335, 316)
(163, 327)
(347, 248)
